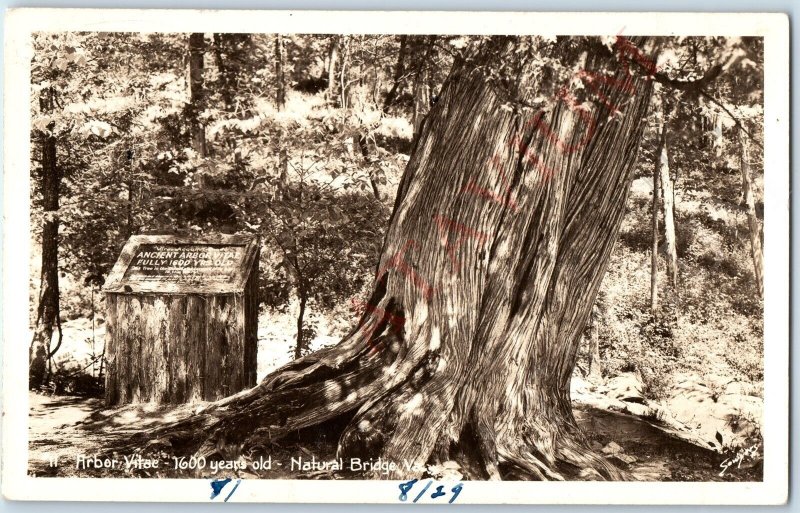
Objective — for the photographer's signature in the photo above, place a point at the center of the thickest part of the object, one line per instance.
(738, 458)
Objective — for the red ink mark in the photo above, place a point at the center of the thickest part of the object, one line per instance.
(594, 80)
(625, 51)
(447, 225)
(624, 46)
(397, 261)
(504, 199)
(541, 125)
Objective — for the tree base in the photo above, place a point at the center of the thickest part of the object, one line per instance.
(295, 404)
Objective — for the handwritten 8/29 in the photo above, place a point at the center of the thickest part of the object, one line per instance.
(405, 488)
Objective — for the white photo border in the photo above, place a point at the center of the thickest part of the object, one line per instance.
(21, 23)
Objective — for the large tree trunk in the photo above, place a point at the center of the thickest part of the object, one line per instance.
(47, 315)
(495, 251)
(224, 45)
(196, 105)
(752, 218)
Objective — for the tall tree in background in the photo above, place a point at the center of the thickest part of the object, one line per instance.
(668, 210)
(750, 204)
(422, 89)
(397, 77)
(47, 314)
(654, 219)
(667, 190)
(493, 257)
(333, 55)
(197, 130)
(280, 103)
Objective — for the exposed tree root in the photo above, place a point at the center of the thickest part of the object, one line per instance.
(384, 408)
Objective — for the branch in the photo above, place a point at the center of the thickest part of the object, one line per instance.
(698, 87)
(737, 122)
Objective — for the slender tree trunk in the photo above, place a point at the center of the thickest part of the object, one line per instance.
(363, 147)
(343, 73)
(332, 56)
(654, 226)
(668, 203)
(280, 92)
(280, 102)
(129, 228)
(422, 90)
(196, 93)
(399, 70)
(227, 76)
(493, 257)
(718, 139)
(301, 342)
(752, 218)
(47, 316)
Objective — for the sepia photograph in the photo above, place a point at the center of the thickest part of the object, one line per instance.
(425, 258)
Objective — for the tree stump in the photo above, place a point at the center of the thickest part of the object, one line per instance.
(182, 319)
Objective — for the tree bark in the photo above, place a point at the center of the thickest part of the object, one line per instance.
(332, 56)
(654, 226)
(668, 204)
(301, 342)
(495, 250)
(752, 218)
(47, 316)
(196, 93)
(280, 92)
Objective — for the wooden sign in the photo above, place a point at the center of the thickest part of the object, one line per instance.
(182, 319)
(169, 263)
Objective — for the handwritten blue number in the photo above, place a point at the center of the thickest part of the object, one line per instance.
(438, 492)
(217, 485)
(234, 489)
(456, 490)
(423, 491)
(405, 488)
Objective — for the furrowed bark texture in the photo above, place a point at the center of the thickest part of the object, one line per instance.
(502, 229)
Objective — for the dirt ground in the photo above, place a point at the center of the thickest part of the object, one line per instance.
(83, 426)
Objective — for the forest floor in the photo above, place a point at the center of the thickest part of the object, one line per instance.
(704, 421)
(64, 427)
